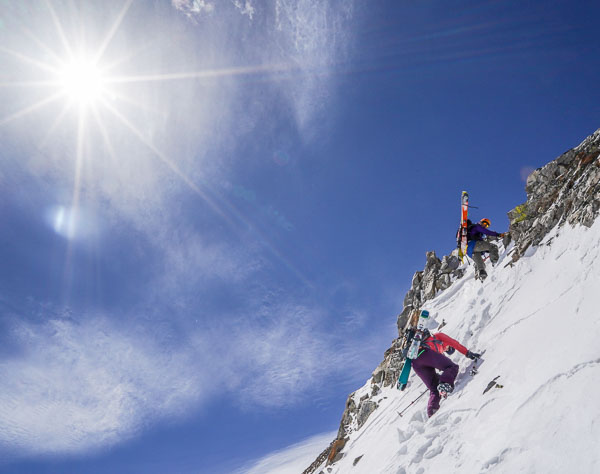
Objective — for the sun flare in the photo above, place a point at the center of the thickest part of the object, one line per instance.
(82, 81)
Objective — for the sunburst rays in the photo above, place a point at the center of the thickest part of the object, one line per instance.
(55, 63)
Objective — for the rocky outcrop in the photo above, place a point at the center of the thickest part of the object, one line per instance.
(355, 416)
(436, 276)
(566, 190)
(366, 408)
(328, 454)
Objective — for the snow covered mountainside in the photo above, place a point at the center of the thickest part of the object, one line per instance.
(539, 327)
(532, 406)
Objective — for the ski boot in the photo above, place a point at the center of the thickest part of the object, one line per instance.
(481, 275)
(444, 389)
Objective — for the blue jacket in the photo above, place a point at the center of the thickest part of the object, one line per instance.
(477, 230)
(475, 234)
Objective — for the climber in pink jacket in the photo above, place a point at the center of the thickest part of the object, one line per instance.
(431, 358)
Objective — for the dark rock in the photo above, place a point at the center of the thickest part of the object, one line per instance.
(449, 264)
(366, 408)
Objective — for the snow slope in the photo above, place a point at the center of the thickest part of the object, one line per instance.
(539, 324)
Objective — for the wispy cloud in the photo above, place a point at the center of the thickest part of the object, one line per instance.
(79, 386)
(72, 386)
(291, 460)
(316, 36)
(194, 7)
(283, 352)
(313, 37)
(244, 7)
(286, 352)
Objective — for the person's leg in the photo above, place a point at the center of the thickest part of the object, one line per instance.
(479, 265)
(430, 378)
(433, 404)
(448, 368)
(485, 246)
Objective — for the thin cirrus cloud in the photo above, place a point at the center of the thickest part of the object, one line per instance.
(194, 7)
(310, 37)
(316, 36)
(287, 350)
(75, 386)
(291, 460)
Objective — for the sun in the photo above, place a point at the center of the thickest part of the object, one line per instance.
(82, 81)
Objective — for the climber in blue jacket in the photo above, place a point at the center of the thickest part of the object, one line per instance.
(477, 245)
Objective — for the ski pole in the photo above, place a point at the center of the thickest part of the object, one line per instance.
(412, 403)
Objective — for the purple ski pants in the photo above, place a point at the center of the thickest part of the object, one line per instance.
(425, 366)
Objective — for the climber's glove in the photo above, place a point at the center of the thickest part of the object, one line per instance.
(473, 355)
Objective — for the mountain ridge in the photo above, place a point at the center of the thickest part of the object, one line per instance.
(564, 191)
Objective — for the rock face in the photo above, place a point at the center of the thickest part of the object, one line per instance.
(436, 276)
(566, 190)
(325, 455)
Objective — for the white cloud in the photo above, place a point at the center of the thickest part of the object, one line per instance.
(293, 459)
(313, 37)
(245, 7)
(316, 36)
(284, 352)
(80, 386)
(286, 355)
(194, 7)
(189, 261)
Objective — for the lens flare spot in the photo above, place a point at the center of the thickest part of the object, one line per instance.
(72, 223)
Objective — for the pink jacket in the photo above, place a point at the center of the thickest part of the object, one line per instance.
(439, 342)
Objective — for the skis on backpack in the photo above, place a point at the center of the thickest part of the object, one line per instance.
(464, 214)
(413, 350)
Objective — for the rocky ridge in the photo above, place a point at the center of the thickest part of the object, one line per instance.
(566, 190)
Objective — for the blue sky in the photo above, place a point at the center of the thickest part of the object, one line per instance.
(206, 243)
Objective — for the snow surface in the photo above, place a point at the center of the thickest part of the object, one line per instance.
(538, 323)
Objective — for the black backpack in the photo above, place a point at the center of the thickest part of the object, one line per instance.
(458, 236)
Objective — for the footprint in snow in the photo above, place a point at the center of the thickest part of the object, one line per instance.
(439, 419)
(493, 462)
(402, 436)
(434, 452)
(418, 416)
(418, 457)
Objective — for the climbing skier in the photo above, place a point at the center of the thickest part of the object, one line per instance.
(477, 245)
(431, 357)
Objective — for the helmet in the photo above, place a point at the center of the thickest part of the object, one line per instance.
(485, 222)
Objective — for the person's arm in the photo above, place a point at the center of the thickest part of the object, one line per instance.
(451, 342)
(486, 231)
